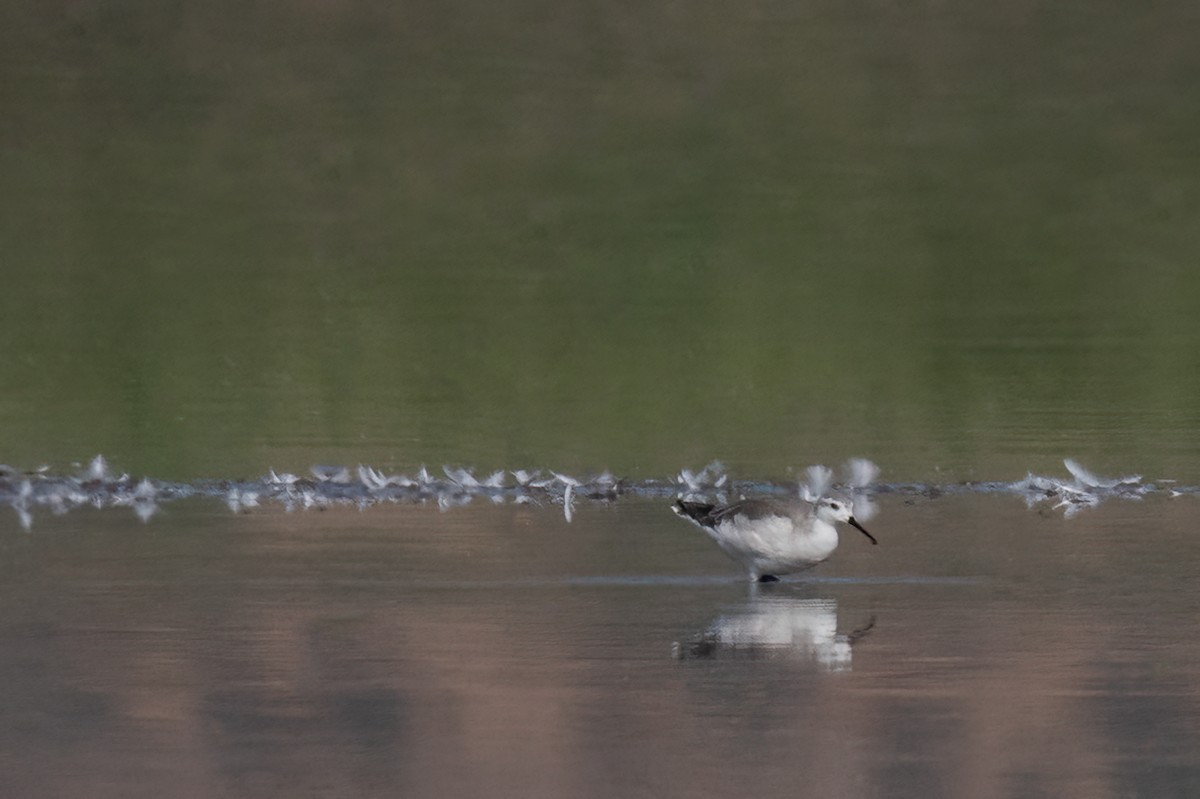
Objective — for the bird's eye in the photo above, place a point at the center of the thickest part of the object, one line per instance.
(835, 506)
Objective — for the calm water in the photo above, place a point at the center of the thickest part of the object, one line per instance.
(959, 239)
(981, 650)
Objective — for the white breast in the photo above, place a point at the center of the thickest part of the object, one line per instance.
(776, 544)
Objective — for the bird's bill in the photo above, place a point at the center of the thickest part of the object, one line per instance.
(854, 523)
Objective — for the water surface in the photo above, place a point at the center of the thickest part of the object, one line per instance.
(957, 239)
(979, 650)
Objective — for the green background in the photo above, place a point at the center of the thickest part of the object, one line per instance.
(961, 239)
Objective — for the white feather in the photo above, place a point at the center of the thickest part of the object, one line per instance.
(98, 469)
(566, 479)
(282, 479)
(861, 472)
(1088, 480)
(373, 479)
(330, 474)
(524, 477)
(688, 480)
(864, 508)
(818, 480)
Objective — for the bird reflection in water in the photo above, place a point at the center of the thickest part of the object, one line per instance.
(802, 630)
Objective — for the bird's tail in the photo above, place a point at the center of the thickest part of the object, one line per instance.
(696, 511)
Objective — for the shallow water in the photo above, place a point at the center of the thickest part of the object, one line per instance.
(979, 650)
(956, 238)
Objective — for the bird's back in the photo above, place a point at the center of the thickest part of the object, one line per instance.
(758, 510)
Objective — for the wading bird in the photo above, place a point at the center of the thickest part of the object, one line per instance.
(774, 537)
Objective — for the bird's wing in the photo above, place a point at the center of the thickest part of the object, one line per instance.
(749, 508)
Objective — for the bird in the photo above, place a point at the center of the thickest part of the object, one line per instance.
(774, 537)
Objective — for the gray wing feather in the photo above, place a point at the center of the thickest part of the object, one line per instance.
(751, 509)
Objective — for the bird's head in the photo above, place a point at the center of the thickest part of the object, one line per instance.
(839, 509)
